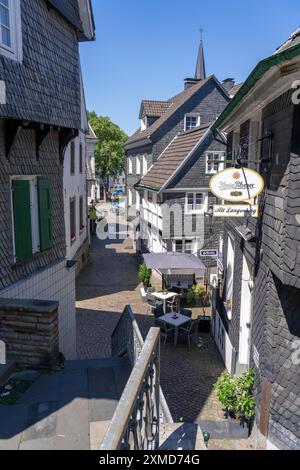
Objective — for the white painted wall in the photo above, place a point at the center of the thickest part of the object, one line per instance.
(93, 184)
(75, 186)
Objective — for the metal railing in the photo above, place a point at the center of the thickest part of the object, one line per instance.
(142, 407)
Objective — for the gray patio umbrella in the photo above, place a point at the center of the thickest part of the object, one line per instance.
(173, 261)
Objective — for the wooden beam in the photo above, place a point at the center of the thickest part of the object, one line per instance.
(12, 129)
(65, 137)
(40, 136)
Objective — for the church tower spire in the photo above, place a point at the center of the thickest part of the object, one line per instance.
(200, 68)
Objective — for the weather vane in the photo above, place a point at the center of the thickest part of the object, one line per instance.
(201, 33)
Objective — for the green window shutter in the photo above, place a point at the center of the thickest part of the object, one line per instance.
(22, 219)
(45, 218)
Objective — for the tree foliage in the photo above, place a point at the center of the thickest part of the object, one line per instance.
(109, 151)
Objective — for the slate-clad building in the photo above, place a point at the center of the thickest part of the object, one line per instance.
(40, 113)
(257, 321)
(170, 161)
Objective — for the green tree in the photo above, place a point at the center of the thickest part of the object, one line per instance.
(109, 151)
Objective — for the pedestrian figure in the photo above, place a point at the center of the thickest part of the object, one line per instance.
(93, 218)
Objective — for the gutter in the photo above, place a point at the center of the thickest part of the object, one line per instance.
(260, 70)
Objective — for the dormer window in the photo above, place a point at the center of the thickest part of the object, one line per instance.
(191, 121)
(10, 29)
(144, 123)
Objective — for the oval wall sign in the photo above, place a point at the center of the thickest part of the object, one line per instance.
(237, 185)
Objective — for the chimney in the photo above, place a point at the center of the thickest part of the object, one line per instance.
(228, 84)
(189, 82)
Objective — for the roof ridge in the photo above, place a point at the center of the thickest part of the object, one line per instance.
(177, 101)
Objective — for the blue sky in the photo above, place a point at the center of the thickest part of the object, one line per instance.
(145, 48)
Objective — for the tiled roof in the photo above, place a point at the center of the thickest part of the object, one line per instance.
(172, 158)
(177, 102)
(154, 108)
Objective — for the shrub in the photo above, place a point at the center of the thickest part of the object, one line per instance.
(236, 394)
(190, 297)
(145, 275)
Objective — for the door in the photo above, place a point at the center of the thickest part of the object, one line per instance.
(245, 314)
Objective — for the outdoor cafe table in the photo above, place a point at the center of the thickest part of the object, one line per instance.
(175, 322)
(164, 296)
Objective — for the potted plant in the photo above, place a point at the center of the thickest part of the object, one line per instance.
(190, 297)
(145, 275)
(236, 395)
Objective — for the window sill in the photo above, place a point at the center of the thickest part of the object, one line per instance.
(35, 256)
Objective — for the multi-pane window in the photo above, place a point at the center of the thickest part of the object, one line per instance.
(72, 219)
(72, 158)
(138, 166)
(214, 162)
(5, 21)
(191, 121)
(130, 165)
(145, 165)
(80, 157)
(150, 196)
(184, 246)
(32, 219)
(81, 221)
(195, 202)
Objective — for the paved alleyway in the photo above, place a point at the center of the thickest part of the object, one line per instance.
(104, 287)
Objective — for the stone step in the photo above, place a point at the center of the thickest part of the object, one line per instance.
(60, 410)
(181, 436)
(97, 432)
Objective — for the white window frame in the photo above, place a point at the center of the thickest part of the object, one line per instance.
(34, 213)
(129, 197)
(184, 242)
(194, 210)
(130, 166)
(138, 166)
(192, 115)
(137, 199)
(145, 165)
(218, 155)
(15, 51)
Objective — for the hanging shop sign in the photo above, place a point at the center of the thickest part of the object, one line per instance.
(209, 253)
(236, 210)
(236, 185)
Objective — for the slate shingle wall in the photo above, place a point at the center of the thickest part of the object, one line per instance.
(46, 86)
(275, 322)
(209, 102)
(23, 162)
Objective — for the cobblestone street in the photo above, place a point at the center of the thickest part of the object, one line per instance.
(109, 283)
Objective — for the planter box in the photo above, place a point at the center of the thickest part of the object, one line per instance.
(204, 325)
(237, 429)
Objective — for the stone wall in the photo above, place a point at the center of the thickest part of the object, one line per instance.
(30, 331)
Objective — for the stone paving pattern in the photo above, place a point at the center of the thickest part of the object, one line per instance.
(104, 287)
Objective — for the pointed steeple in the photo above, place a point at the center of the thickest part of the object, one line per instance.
(200, 68)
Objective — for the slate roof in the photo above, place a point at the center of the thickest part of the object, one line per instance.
(172, 158)
(177, 101)
(154, 108)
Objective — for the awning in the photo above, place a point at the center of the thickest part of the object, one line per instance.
(173, 261)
